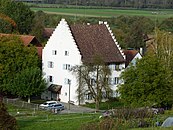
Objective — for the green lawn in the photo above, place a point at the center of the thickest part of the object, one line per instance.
(107, 13)
(55, 122)
(29, 119)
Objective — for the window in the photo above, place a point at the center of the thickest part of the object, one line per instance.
(88, 96)
(54, 52)
(116, 80)
(67, 81)
(66, 66)
(66, 53)
(114, 67)
(50, 78)
(117, 67)
(50, 64)
(92, 82)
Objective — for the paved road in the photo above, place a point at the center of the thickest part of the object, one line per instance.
(76, 109)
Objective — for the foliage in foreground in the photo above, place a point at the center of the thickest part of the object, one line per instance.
(146, 84)
(29, 82)
(14, 58)
(7, 122)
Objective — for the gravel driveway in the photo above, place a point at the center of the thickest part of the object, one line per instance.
(76, 109)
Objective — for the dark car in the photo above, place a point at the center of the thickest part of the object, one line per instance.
(58, 107)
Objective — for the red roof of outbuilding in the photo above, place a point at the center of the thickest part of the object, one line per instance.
(27, 40)
(130, 54)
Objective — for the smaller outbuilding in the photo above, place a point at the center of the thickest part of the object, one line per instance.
(131, 57)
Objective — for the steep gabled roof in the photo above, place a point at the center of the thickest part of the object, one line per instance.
(93, 40)
(130, 54)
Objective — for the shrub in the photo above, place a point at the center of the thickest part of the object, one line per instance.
(106, 124)
(7, 122)
(129, 113)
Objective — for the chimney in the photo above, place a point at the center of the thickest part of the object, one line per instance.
(100, 22)
(141, 51)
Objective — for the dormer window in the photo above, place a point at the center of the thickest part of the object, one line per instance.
(54, 52)
(66, 53)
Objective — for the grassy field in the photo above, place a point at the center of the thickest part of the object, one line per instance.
(28, 119)
(108, 13)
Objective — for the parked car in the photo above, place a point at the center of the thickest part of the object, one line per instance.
(47, 104)
(71, 102)
(58, 107)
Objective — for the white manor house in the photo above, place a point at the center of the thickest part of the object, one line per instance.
(70, 45)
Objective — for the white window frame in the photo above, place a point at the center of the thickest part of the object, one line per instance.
(50, 64)
(66, 53)
(54, 52)
(50, 78)
(66, 66)
(116, 80)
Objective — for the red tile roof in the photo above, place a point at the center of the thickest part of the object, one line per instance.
(95, 40)
(39, 51)
(130, 54)
(27, 40)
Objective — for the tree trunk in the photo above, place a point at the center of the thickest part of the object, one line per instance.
(97, 105)
(29, 99)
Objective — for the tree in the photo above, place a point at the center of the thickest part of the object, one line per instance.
(38, 25)
(147, 83)
(7, 122)
(20, 13)
(133, 30)
(7, 24)
(93, 79)
(167, 25)
(14, 57)
(162, 47)
(29, 82)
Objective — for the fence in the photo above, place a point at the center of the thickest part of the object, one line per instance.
(21, 104)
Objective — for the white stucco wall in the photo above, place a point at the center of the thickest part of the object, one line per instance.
(61, 41)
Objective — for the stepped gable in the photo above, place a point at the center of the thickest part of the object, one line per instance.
(95, 40)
